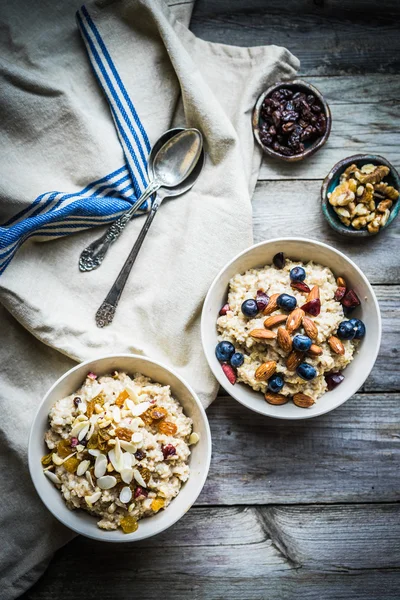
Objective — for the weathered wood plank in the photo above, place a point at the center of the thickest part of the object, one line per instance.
(348, 455)
(292, 208)
(329, 38)
(312, 552)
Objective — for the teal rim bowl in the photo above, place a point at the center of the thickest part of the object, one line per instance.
(332, 180)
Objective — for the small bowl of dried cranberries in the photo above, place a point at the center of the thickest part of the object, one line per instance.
(291, 120)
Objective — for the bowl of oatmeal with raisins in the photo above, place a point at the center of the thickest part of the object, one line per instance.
(120, 448)
(291, 120)
(291, 328)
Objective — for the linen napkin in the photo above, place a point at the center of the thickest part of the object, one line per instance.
(63, 140)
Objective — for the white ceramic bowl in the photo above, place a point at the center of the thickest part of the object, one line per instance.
(79, 520)
(303, 250)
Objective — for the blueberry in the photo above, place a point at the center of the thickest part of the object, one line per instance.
(301, 343)
(249, 308)
(224, 351)
(297, 274)
(346, 330)
(359, 328)
(306, 371)
(237, 360)
(275, 383)
(286, 302)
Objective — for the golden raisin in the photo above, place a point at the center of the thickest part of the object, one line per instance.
(167, 428)
(123, 433)
(129, 524)
(46, 459)
(121, 398)
(157, 413)
(64, 448)
(157, 504)
(71, 464)
(93, 442)
(99, 399)
(145, 473)
(146, 418)
(104, 434)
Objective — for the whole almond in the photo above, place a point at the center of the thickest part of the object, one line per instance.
(341, 282)
(276, 399)
(302, 400)
(294, 320)
(266, 370)
(310, 328)
(272, 304)
(294, 359)
(262, 334)
(284, 339)
(315, 350)
(274, 321)
(336, 345)
(314, 294)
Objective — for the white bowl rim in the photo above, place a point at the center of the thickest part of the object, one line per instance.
(33, 467)
(219, 375)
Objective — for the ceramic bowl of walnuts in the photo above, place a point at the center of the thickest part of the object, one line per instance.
(291, 120)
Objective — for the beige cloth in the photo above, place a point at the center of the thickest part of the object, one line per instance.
(59, 135)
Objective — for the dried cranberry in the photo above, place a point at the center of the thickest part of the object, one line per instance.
(74, 442)
(140, 492)
(168, 450)
(140, 454)
(313, 307)
(224, 310)
(351, 300)
(333, 380)
(262, 300)
(279, 260)
(230, 373)
(91, 375)
(77, 400)
(339, 294)
(300, 285)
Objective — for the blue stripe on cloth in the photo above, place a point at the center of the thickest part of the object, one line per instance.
(55, 214)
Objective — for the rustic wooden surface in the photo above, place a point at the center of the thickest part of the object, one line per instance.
(308, 509)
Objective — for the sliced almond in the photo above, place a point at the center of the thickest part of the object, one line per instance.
(272, 304)
(128, 446)
(336, 345)
(310, 328)
(127, 475)
(82, 467)
(294, 320)
(314, 294)
(262, 334)
(193, 439)
(265, 370)
(125, 495)
(341, 282)
(284, 339)
(276, 399)
(80, 425)
(106, 482)
(53, 477)
(294, 359)
(139, 478)
(274, 321)
(302, 400)
(128, 460)
(100, 466)
(93, 498)
(315, 350)
(139, 409)
(117, 464)
(57, 460)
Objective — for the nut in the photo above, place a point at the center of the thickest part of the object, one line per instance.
(336, 345)
(265, 370)
(275, 320)
(373, 226)
(341, 282)
(315, 350)
(374, 176)
(359, 222)
(384, 205)
(262, 334)
(360, 210)
(294, 319)
(294, 359)
(284, 339)
(314, 294)
(385, 218)
(272, 304)
(310, 328)
(302, 400)
(276, 399)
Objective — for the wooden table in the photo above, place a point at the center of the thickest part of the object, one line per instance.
(290, 510)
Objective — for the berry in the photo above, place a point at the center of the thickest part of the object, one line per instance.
(77, 401)
(249, 308)
(224, 351)
(346, 330)
(224, 310)
(312, 307)
(262, 300)
(359, 328)
(301, 343)
(351, 300)
(297, 274)
(279, 260)
(339, 294)
(275, 383)
(237, 360)
(230, 373)
(306, 371)
(168, 450)
(299, 285)
(333, 380)
(286, 302)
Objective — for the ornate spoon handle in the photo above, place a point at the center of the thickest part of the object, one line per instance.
(92, 257)
(106, 312)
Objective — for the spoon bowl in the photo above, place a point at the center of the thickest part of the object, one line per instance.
(177, 157)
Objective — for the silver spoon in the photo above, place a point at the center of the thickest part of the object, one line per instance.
(173, 163)
(92, 256)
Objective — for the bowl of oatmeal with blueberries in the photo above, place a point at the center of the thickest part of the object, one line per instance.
(291, 328)
(124, 453)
